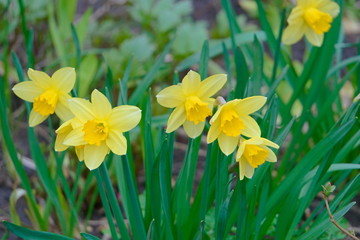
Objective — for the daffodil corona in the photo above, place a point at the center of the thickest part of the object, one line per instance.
(232, 120)
(311, 18)
(48, 94)
(252, 153)
(192, 102)
(97, 128)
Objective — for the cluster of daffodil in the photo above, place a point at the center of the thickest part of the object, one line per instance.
(231, 125)
(93, 128)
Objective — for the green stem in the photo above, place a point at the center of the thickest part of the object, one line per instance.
(105, 202)
(113, 202)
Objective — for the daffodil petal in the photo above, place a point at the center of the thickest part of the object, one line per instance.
(64, 79)
(216, 115)
(249, 105)
(176, 119)
(293, 33)
(255, 140)
(329, 7)
(117, 142)
(124, 118)
(94, 155)
(214, 132)
(245, 169)
(40, 79)
(227, 143)
(193, 130)
(191, 82)
(171, 97)
(296, 15)
(270, 143)
(81, 108)
(252, 129)
(27, 91)
(240, 150)
(62, 109)
(75, 138)
(79, 150)
(314, 38)
(212, 85)
(59, 145)
(101, 105)
(36, 118)
(271, 157)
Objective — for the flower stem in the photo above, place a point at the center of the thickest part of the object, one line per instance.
(114, 202)
(105, 203)
(332, 219)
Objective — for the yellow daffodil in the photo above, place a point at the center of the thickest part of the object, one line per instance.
(48, 94)
(98, 128)
(192, 102)
(252, 153)
(311, 18)
(232, 119)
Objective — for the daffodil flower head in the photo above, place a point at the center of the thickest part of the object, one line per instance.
(97, 128)
(252, 153)
(232, 120)
(48, 94)
(192, 102)
(311, 18)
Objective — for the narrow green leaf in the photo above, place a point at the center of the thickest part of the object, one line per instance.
(89, 236)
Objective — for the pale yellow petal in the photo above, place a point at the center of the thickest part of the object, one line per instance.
(271, 157)
(64, 79)
(176, 119)
(193, 130)
(314, 38)
(191, 83)
(216, 115)
(252, 129)
(214, 132)
(329, 7)
(293, 33)
(255, 140)
(124, 118)
(227, 143)
(296, 15)
(171, 97)
(40, 79)
(94, 155)
(62, 132)
(117, 142)
(101, 105)
(240, 150)
(81, 108)
(75, 138)
(27, 90)
(212, 85)
(62, 109)
(79, 150)
(245, 169)
(249, 105)
(306, 3)
(269, 143)
(36, 118)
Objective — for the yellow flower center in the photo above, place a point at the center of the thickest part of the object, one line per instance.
(196, 110)
(45, 104)
(317, 20)
(255, 155)
(95, 131)
(230, 123)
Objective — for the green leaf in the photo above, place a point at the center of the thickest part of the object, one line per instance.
(89, 236)
(28, 234)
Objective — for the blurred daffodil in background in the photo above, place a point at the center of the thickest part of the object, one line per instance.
(311, 18)
(97, 128)
(192, 102)
(48, 94)
(232, 120)
(252, 153)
